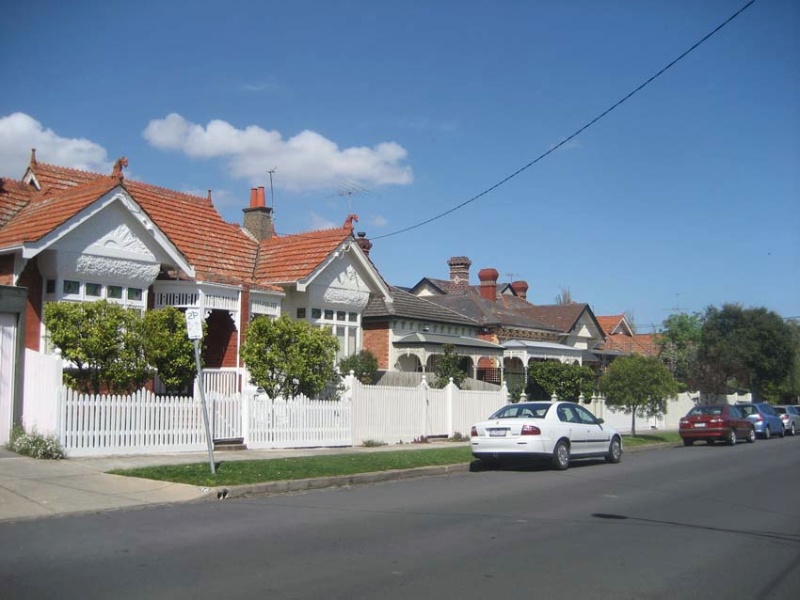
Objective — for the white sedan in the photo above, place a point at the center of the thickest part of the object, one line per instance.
(555, 431)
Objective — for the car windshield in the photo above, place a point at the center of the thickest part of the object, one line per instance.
(522, 411)
(705, 410)
(748, 410)
(780, 410)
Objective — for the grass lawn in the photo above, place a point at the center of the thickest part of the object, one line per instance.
(281, 469)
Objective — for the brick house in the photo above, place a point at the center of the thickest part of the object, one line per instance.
(527, 332)
(71, 235)
(410, 333)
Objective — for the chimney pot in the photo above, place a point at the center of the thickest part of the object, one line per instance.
(253, 197)
(520, 288)
(459, 273)
(488, 278)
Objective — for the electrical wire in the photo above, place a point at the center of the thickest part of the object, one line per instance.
(576, 133)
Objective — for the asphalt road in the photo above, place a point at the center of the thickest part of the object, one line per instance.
(699, 522)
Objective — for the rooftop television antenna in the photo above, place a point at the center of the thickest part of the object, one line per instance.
(271, 190)
(350, 189)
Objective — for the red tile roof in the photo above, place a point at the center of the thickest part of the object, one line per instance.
(609, 323)
(14, 195)
(284, 259)
(219, 251)
(44, 213)
(642, 344)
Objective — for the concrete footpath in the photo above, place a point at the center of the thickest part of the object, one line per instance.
(31, 488)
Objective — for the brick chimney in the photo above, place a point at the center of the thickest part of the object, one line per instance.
(459, 273)
(363, 242)
(258, 216)
(520, 288)
(488, 279)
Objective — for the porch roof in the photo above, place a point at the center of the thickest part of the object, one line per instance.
(416, 339)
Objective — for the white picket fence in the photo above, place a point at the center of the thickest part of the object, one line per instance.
(146, 423)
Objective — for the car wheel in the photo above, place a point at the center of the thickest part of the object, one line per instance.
(688, 442)
(752, 436)
(709, 442)
(561, 456)
(614, 451)
(731, 438)
(783, 431)
(767, 433)
(792, 430)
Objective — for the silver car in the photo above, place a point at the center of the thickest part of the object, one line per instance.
(790, 415)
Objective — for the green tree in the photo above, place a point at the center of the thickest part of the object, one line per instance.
(169, 349)
(638, 385)
(678, 344)
(104, 341)
(288, 358)
(363, 364)
(567, 381)
(788, 391)
(744, 348)
(448, 365)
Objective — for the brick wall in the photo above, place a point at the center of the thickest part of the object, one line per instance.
(32, 279)
(7, 269)
(376, 340)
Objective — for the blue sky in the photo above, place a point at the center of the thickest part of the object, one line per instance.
(685, 196)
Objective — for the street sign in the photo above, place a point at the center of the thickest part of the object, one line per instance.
(194, 324)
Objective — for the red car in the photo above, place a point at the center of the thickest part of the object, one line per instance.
(716, 422)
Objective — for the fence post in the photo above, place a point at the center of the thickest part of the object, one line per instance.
(554, 398)
(425, 405)
(449, 404)
(247, 398)
(504, 392)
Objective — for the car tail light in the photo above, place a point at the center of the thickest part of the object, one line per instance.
(473, 432)
(530, 430)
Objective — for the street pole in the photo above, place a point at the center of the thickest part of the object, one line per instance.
(201, 386)
(194, 328)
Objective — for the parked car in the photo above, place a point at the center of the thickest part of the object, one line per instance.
(716, 422)
(790, 415)
(764, 418)
(554, 431)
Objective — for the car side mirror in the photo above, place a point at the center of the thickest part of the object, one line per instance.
(600, 421)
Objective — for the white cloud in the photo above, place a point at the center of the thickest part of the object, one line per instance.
(379, 221)
(20, 132)
(320, 222)
(306, 161)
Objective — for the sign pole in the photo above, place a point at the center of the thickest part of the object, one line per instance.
(195, 330)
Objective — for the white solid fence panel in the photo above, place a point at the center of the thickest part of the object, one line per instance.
(40, 396)
(388, 414)
(225, 413)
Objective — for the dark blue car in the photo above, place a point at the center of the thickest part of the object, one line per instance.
(766, 421)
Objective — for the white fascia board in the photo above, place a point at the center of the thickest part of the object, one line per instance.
(118, 194)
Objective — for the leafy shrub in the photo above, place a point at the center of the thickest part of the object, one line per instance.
(34, 444)
(363, 364)
(374, 443)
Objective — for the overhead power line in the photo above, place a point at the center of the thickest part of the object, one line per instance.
(577, 132)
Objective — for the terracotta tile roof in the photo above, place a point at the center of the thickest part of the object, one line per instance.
(642, 344)
(219, 251)
(43, 213)
(558, 316)
(14, 195)
(608, 323)
(291, 258)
